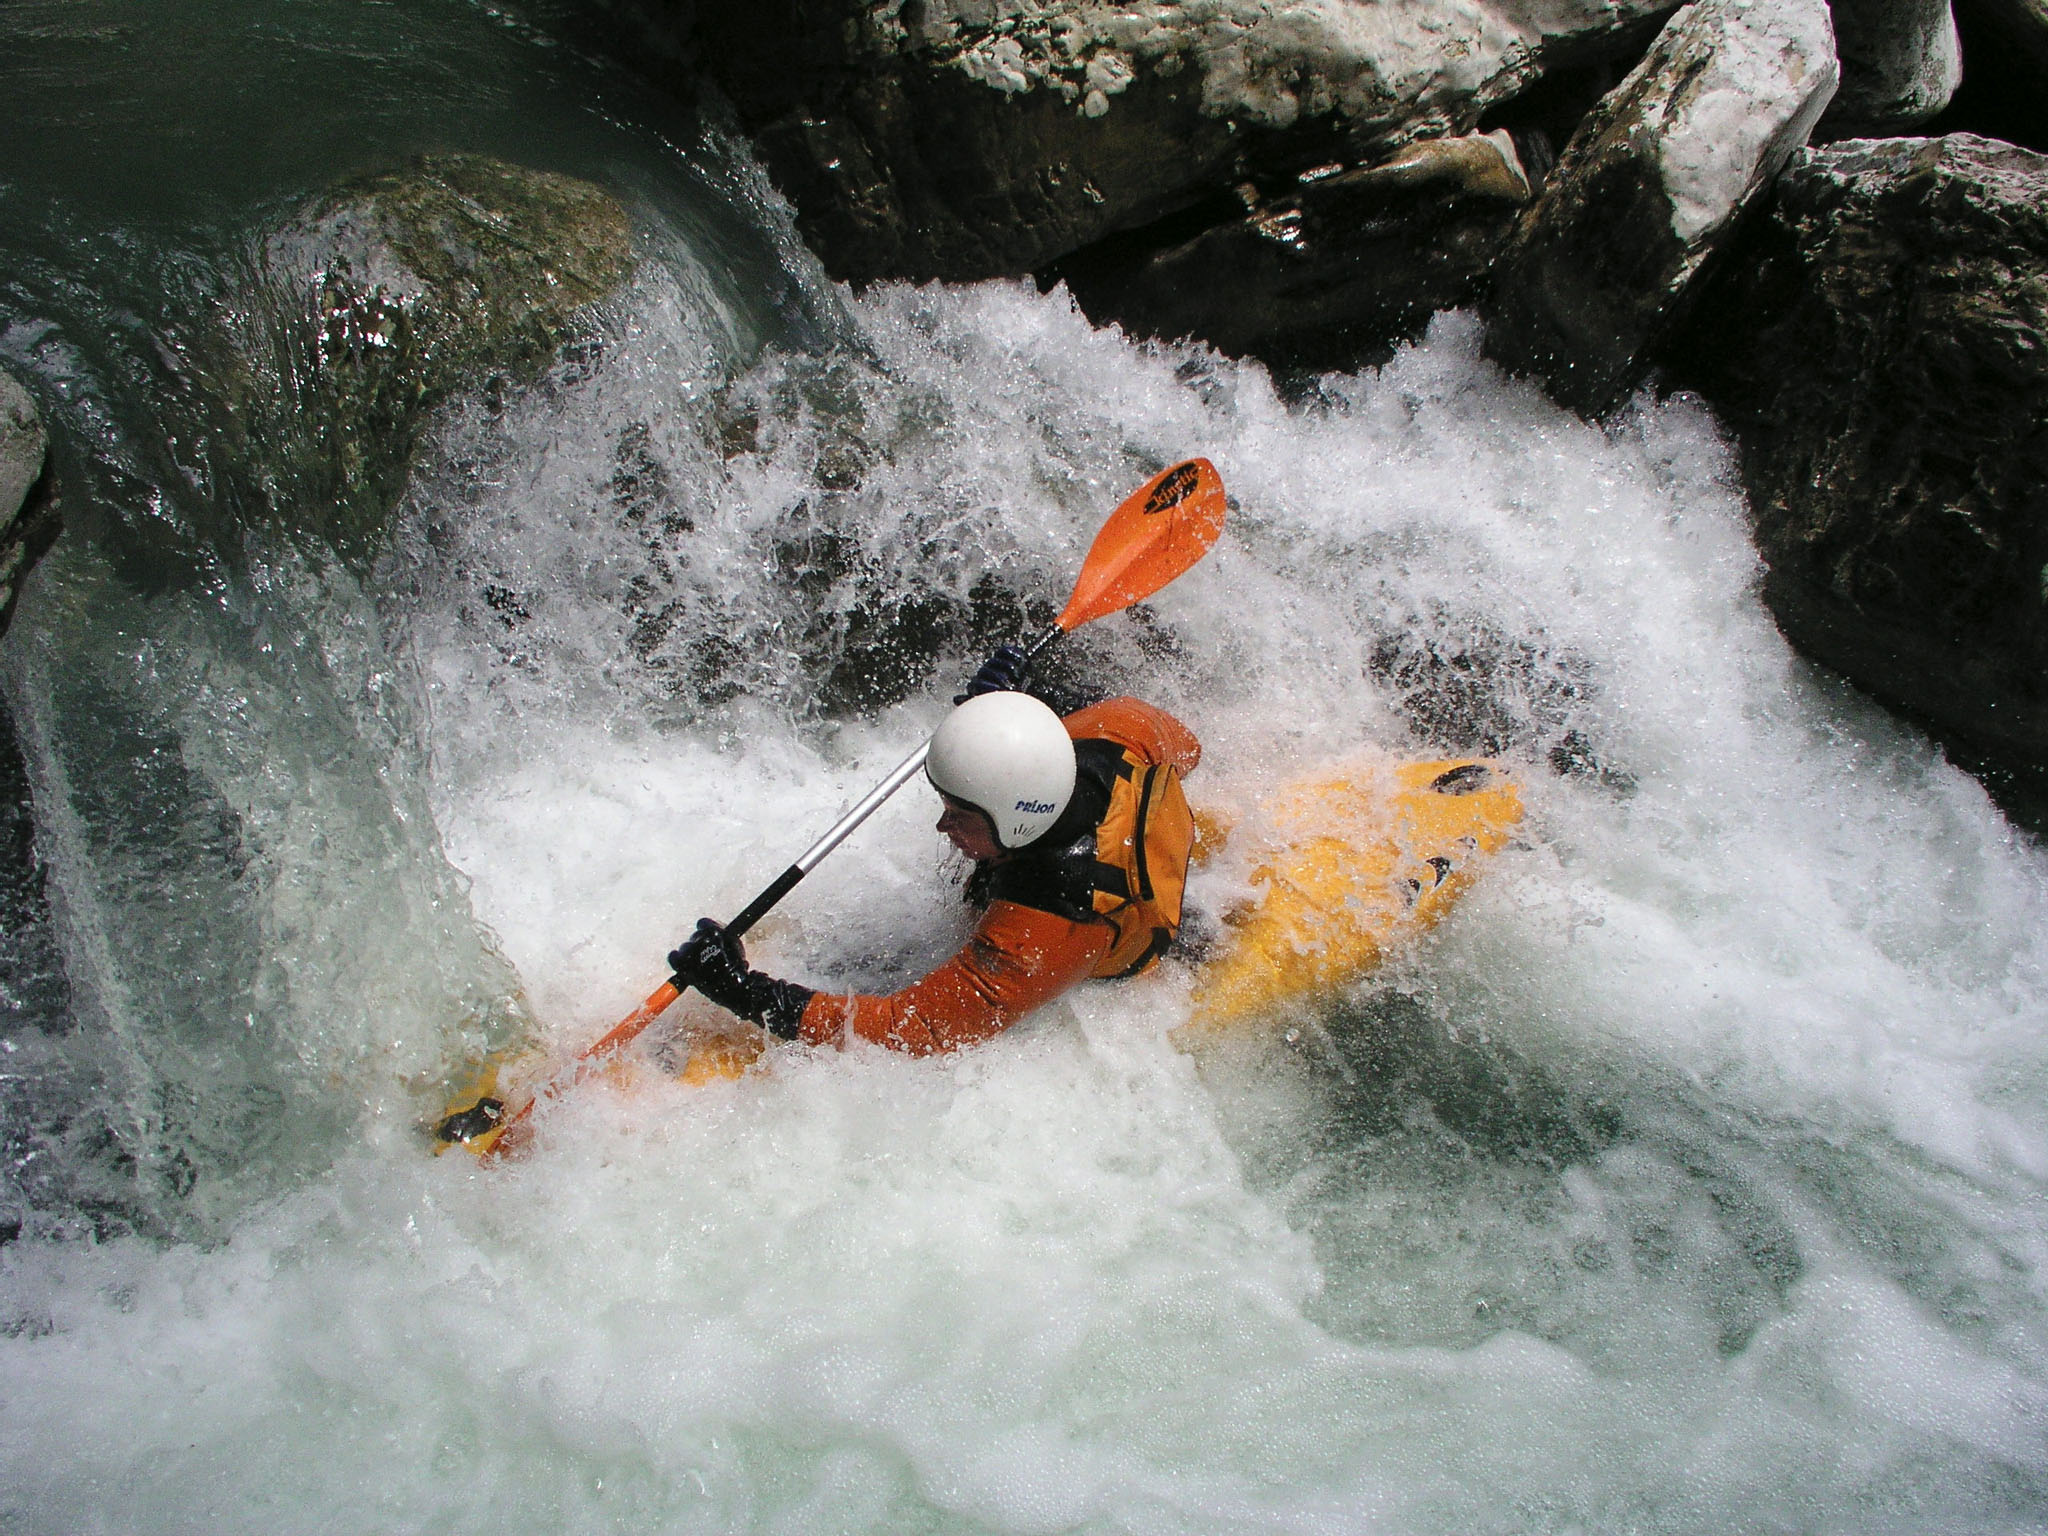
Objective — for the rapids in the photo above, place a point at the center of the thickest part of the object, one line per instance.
(1690, 1178)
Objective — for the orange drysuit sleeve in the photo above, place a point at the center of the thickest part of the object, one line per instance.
(1018, 959)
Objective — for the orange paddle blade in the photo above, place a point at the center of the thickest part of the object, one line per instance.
(1162, 529)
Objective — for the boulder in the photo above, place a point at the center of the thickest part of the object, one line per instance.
(1601, 267)
(1901, 63)
(386, 296)
(43, 1092)
(1882, 353)
(1334, 271)
(28, 502)
(33, 993)
(963, 139)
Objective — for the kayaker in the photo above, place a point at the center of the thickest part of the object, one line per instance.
(1080, 837)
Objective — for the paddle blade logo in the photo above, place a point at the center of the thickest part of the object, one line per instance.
(1173, 490)
(1139, 551)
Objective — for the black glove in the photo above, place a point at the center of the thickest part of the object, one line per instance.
(1003, 672)
(712, 961)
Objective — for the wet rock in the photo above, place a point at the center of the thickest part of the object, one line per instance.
(31, 977)
(1602, 266)
(1882, 352)
(1338, 268)
(1487, 165)
(1467, 687)
(962, 139)
(1396, 1056)
(28, 502)
(1901, 63)
(391, 293)
(865, 620)
(33, 992)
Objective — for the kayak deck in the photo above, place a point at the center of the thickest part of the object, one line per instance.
(1363, 860)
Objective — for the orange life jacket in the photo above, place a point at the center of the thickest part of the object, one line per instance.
(1141, 863)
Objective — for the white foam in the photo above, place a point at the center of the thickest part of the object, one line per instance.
(1065, 1282)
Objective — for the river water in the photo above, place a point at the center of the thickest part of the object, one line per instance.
(1690, 1178)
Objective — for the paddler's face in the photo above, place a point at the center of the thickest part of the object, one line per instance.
(969, 830)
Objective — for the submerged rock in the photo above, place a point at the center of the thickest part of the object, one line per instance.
(34, 997)
(961, 139)
(1601, 267)
(1901, 63)
(38, 1091)
(390, 294)
(29, 519)
(1883, 355)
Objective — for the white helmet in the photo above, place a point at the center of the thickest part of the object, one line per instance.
(1009, 757)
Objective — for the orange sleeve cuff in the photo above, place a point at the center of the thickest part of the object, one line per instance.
(1018, 960)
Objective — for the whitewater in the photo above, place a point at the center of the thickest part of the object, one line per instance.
(1689, 1178)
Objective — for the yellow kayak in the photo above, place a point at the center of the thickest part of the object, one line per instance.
(1363, 859)
(1358, 860)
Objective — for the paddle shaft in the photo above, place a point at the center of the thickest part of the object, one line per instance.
(1155, 534)
(788, 880)
(841, 829)
(634, 1024)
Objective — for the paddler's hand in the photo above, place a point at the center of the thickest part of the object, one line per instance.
(1003, 672)
(712, 961)
(710, 951)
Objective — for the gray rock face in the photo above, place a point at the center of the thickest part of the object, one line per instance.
(1901, 62)
(1883, 353)
(969, 138)
(28, 504)
(1601, 267)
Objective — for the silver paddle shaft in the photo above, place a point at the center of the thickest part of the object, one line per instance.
(842, 829)
(870, 803)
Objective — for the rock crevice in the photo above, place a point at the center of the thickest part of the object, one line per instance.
(1650, 190)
